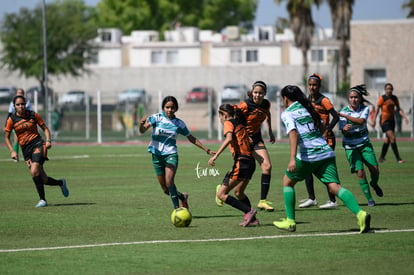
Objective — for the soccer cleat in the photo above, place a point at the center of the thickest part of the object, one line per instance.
(254, 222)
(41, 203)
(364, 220)
(378, 190)
(218, 201)
(65, 190)
(401, 161)
(184, 202)
(381, 160)
(371, 203)
(249, 217)
(307, 203)
(329, 205)
(286, 224)
(265, 205)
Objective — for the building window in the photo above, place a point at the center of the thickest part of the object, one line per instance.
(236, 56)
(251, 56)
(106, 36)
(317, 55)
(172, 57)
(375, 79)
(156, 57)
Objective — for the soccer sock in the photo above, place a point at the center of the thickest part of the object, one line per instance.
(290, 199)
(39, 187)
(374, 180)
(246, 201)
(309, 187)
(265, 184)
(52, 181)
(395, 150)
(173, 195)
(332, 197)
(349, 200)
(180, 196)
(16, 147)
(237, 204)
(365, 188)
(384, 150)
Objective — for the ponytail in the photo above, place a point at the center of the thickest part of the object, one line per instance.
(294, 93)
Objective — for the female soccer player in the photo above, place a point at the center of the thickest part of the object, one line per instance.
(324, 107)
(358, 147)
(314, 156)
(163, 147)
(34, 149)
(389, 103)
(237, 138)
(257, 109)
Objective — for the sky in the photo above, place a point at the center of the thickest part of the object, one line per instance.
(268, 11)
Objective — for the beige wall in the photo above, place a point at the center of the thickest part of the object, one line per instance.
(385, 45)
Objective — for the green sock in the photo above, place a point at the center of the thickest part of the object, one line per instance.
(365, 188)
(174, 196)
(349, 200)
(290, 200)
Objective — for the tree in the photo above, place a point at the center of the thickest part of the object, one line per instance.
(71, 29)
(161, 15)
(341, 14)
(409, 5)
(302, 25)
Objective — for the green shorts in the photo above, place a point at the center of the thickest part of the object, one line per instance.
(325, 170)
(360, 156)
(161, 161)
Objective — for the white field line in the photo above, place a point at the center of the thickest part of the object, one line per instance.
(198, 241)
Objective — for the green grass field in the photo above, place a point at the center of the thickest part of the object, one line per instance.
(117, 221)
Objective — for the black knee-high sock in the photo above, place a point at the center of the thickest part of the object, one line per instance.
(384, 150)
(52, 181)
(265, 184)
(237, 204)
(394, 148)
(39, 187)
(332, 197)
(246, 201)
(309, 187)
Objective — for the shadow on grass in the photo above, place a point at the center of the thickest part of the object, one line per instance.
(72, 204)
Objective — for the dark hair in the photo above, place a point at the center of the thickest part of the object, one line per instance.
(362, 91)
(294, 93)
(170, 98)
(388, 84)
(260, 84)
(316, 77)
(17, 97)
(233, 111)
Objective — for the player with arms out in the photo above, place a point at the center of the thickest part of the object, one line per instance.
(315, 156)
(163, 147)
(25, 124)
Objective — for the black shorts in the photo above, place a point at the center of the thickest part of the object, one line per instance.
(388, 125)
(257, 141)
(243, 169)
(35, 151)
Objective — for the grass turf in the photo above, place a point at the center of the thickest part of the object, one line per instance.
(115, 199)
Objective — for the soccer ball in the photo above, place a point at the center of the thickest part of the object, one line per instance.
(181, 217)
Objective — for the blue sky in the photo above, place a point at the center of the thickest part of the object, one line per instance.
(268, 11)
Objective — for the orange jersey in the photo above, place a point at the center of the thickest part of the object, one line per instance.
(388, 104)
(322, 106)
(25, 127)
(240, 143)
(255, 114)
